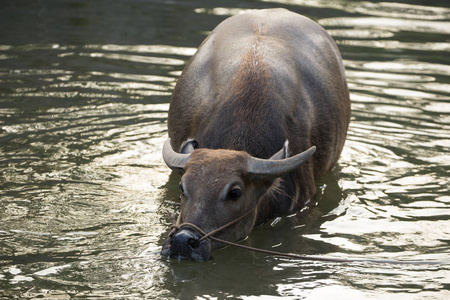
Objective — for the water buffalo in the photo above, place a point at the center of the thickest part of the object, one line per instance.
(262, 88)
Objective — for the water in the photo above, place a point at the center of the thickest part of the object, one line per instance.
(85, 199)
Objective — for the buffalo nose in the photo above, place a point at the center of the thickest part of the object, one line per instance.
(183, 243)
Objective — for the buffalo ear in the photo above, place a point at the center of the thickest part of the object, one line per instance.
(270, 169)
(188, 146)
(283, 153)
(174, 160)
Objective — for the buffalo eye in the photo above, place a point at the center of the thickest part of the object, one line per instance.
(234, 194)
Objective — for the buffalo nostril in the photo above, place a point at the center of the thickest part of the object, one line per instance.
(193, 243)
(187, 244)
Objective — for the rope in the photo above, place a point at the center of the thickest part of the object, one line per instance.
(205, 235)
(177, 226)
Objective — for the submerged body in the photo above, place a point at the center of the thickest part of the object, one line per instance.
(258, 80)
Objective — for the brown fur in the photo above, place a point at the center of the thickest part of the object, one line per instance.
(258, 79)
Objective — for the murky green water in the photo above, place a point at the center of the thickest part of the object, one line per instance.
(85, 197)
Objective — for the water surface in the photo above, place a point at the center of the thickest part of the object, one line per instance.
(85, 198)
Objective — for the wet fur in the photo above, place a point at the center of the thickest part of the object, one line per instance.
(259, 79)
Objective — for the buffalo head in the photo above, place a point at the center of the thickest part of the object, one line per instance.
(217, 187)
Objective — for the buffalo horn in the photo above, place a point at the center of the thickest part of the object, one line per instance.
(174, 160)
(270, 168)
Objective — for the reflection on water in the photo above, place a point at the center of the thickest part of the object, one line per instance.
(85, 199)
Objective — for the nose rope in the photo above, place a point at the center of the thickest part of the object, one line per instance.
(177, 226)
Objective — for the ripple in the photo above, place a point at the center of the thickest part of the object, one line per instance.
(403, 11)
(359, 34)
(410, 94)
(160, 49)
(395, 45)
(390, 24)
(381, 74)
(336, 4)
(135, 58)
(136, 77)
(411, 67)
(51, 270)
(221, 11)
